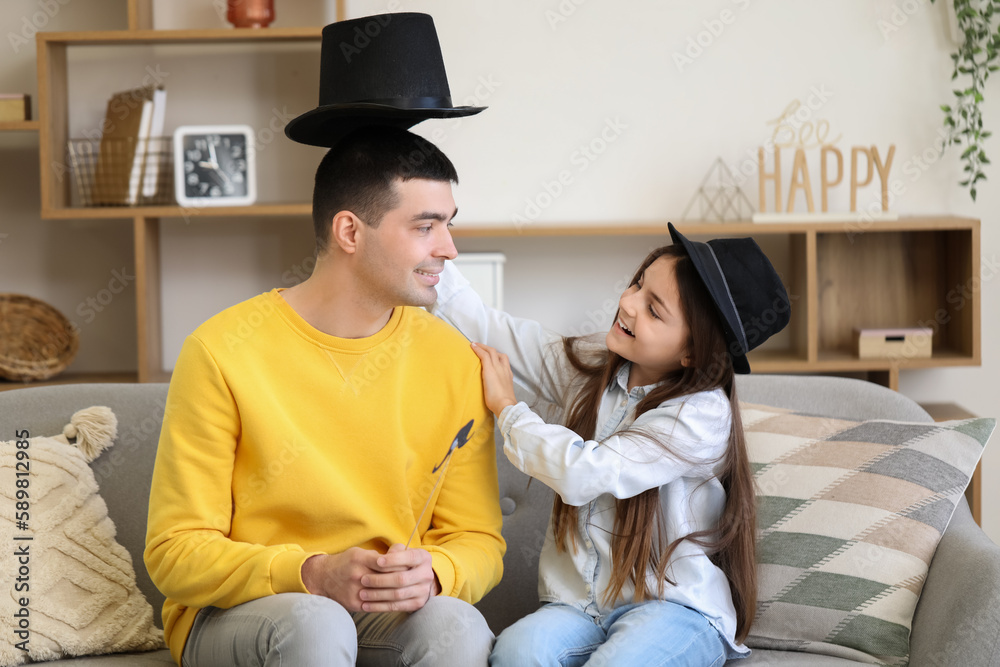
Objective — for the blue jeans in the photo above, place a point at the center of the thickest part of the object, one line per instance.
(647, 634)
(301, 630)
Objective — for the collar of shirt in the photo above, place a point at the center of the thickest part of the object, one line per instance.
(618, 403)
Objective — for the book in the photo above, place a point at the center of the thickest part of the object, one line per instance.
(118, 173)
(156, 147)
(139, 155)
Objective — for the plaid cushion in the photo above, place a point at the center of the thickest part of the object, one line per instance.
(850, 514)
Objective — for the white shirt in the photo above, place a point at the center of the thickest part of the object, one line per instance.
(591, 474)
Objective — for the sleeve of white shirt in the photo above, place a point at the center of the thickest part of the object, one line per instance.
(696, 428)
(536, 354)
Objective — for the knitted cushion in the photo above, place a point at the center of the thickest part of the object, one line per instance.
(71, 588)
(850, 514)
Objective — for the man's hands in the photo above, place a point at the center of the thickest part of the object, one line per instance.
(365, 580)
(498, 380)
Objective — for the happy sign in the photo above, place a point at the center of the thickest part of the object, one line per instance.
(794, 129)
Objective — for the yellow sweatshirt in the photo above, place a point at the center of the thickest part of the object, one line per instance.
(280, 442)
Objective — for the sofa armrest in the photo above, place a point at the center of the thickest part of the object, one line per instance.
(957, 620)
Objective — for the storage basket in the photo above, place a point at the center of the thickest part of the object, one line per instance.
(122, 172)
(36, 340)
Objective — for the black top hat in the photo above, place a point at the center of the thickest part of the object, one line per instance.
(746, 290)
(383, 69)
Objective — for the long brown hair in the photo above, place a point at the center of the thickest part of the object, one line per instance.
(638, 541)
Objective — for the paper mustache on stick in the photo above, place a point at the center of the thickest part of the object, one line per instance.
(463, 437)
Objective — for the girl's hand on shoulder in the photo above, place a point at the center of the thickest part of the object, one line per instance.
(498, 380)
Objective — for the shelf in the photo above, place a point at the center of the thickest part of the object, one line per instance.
(477, 230)
(131, 212)
(919, 272)
(697, 228)
(848, 361)
(58, 53)
(20, 126)
(215, 36)
(777, 361)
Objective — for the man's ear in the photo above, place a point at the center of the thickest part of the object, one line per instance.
(344, 230)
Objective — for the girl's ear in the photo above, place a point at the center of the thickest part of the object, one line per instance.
(686, 360)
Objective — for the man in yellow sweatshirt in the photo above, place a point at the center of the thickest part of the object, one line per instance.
(304, 432)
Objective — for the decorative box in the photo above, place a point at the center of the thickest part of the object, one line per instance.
(908, 343)
(14, 107)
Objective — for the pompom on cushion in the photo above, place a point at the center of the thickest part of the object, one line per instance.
(849, 516)
(79, 585)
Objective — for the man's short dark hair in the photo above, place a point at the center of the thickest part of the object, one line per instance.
(360, 172)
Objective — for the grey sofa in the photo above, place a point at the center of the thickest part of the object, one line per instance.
(957, 622)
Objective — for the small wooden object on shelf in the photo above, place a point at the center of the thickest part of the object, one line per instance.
(903, 343)
(14, 107)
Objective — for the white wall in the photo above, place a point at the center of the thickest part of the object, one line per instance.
(557, 75)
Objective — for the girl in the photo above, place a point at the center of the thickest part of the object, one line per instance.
(649, 555)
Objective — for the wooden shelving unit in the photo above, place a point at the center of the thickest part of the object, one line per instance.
(53, 104)
(916, 271)
(53, 51)
(882, 274)
(913, 272)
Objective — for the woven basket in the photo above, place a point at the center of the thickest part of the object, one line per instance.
(36, 340)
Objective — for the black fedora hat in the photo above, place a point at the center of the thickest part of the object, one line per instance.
(747, 291)
(383, 69)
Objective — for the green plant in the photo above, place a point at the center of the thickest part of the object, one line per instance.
(976, 57)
